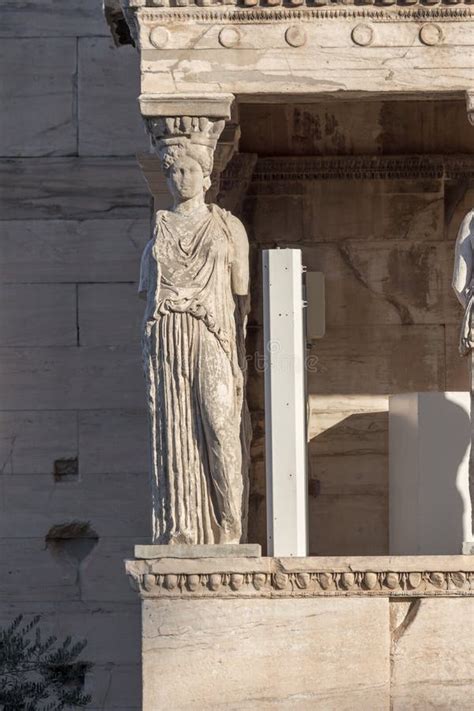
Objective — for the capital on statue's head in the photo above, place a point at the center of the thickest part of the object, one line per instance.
(199, 130)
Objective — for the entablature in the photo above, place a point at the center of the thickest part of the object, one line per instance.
(275, 49)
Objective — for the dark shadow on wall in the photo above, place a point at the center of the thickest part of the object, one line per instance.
(348, 487)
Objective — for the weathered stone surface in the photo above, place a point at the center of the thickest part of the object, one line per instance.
(79, 569)
(348, 472)
(30, 442)
(32, 503)
(356, 128)
(268, 66)
(358, 473)
(109, 314)
(100, 250)
(385, 282)
(50, 18)
(379, 282)
(335, 363)
(393, 209)
(364, 511)
(246, 640)
(53, 581)
(39, 117)
(433, 656)
(114, 687)
(73, 188)
(364, 361)
(71, 378)
(102, 579)
(110, 120)
(38, 315)
(245, 550)
(348, 424)
(112, 441)
(276, 220)
(111, 630)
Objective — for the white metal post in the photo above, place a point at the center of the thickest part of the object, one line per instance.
(285, 403)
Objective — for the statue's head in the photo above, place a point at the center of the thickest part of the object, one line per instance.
(186, 147)
(187, 168)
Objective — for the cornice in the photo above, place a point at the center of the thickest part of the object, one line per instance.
(294, 168)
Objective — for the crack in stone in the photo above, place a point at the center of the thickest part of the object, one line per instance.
(403, 312)
(9, 457)
(407, 621)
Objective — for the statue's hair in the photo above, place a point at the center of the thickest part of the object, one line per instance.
(171, 153)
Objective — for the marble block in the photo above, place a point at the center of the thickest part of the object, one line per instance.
(37, 78)
(266, 654)
(433, 657)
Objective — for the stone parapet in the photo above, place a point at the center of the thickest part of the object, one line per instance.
(306, 633)
(250, 577)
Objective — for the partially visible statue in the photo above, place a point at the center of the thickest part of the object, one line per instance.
(191, 273)
(463, 279)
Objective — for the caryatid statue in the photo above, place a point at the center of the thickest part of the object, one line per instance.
(463, 279)
(191, 271)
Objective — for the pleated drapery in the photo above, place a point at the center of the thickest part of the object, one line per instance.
(194, 382)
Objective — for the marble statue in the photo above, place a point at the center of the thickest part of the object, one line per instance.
(192, 270)
(463, 279)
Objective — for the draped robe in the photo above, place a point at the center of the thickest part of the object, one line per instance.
(194, 382)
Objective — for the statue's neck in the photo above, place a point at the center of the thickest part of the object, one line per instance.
(186, 207)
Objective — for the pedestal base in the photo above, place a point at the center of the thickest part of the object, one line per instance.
(231, 550)
(307, 633)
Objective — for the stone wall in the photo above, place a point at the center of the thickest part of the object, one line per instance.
(75, 214)
(336, 181)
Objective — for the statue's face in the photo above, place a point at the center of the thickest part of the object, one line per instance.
(185, 178)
